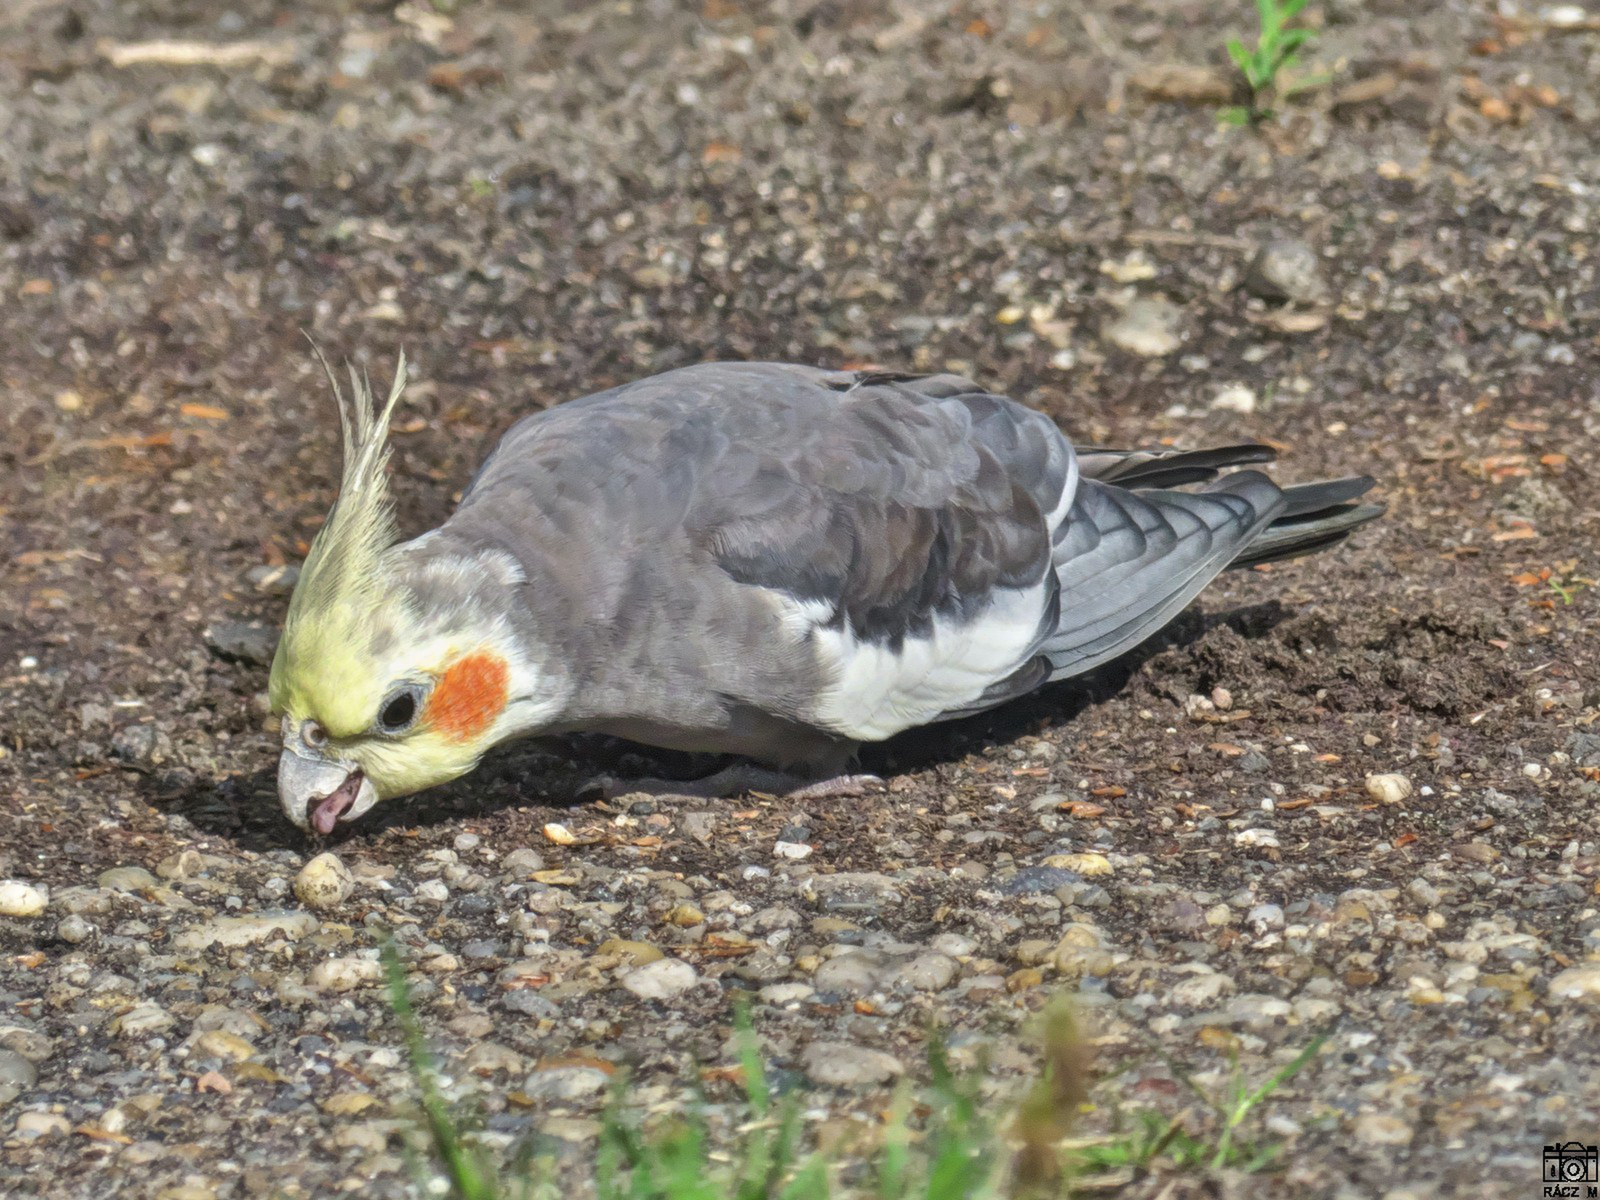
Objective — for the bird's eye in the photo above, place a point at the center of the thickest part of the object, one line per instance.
(398, 711)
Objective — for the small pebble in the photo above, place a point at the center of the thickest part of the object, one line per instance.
(273, 580)
(1089, 865)
(18, 899)
(660, 980)
(1388, 788)
(787, 993)
(127, 879)
(844, 1064)
(32, 1126)
(433, 890)
(1235, 398)
(17, 1075)
(1381, 1129)
(1149, 327)
(522, 863)
(1263, 838)
(323, 883)
(251, 642)
(344, 974)
(1577, 983)
(1565, 16)
(1285, 269)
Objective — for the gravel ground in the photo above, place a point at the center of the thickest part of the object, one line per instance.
(1353, 794)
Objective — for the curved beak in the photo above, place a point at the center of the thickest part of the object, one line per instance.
(317, 793)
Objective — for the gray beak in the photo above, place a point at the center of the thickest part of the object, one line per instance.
(317, 793)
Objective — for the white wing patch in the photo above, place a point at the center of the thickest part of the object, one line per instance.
(878, 691)
(1069, 492)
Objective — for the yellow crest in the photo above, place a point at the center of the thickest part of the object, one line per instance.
(320, 668)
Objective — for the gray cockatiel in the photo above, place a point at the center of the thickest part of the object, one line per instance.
(756, 559)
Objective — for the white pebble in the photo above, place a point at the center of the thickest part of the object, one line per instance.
(1235, 398)
(1532, 770)
(1565, 16)
(1264, 838)
(344, 974)
(661, 979)
(845, 1064)
(33, 1125)
(18, 899)
(434, 890)
(794, 850)
(324, 882)
(1388, 788)
(1577, 983)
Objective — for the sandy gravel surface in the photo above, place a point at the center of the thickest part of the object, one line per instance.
(537, 201)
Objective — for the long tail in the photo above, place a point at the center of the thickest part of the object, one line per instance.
(1132, 553)
(1319, 515)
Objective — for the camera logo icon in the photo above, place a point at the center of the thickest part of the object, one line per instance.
(1572, 1162)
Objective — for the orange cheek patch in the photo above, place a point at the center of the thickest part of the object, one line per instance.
(469, 696)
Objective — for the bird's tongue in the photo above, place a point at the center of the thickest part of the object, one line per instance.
(326, 815)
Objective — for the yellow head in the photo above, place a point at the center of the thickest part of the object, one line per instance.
(392, 674)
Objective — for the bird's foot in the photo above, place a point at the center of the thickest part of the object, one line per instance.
(734, 780)
(840, 787)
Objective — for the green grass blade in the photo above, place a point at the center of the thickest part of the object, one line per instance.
(809, 1183)
(469, 1177)
(896, 1150)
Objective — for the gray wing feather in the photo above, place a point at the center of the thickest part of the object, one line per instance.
(1167, 468)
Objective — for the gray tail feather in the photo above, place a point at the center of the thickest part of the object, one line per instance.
(1111, 600)
(1131, 561)
(1318, 515)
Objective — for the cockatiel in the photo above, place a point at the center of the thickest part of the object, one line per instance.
(756, 559)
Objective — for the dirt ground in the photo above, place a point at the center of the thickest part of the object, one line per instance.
(539, 200)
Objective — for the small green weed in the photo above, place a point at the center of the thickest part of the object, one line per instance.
(938, 1143)
(951, 1151)
(1155, 1135)
(471, 1174)
(1277, 49)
